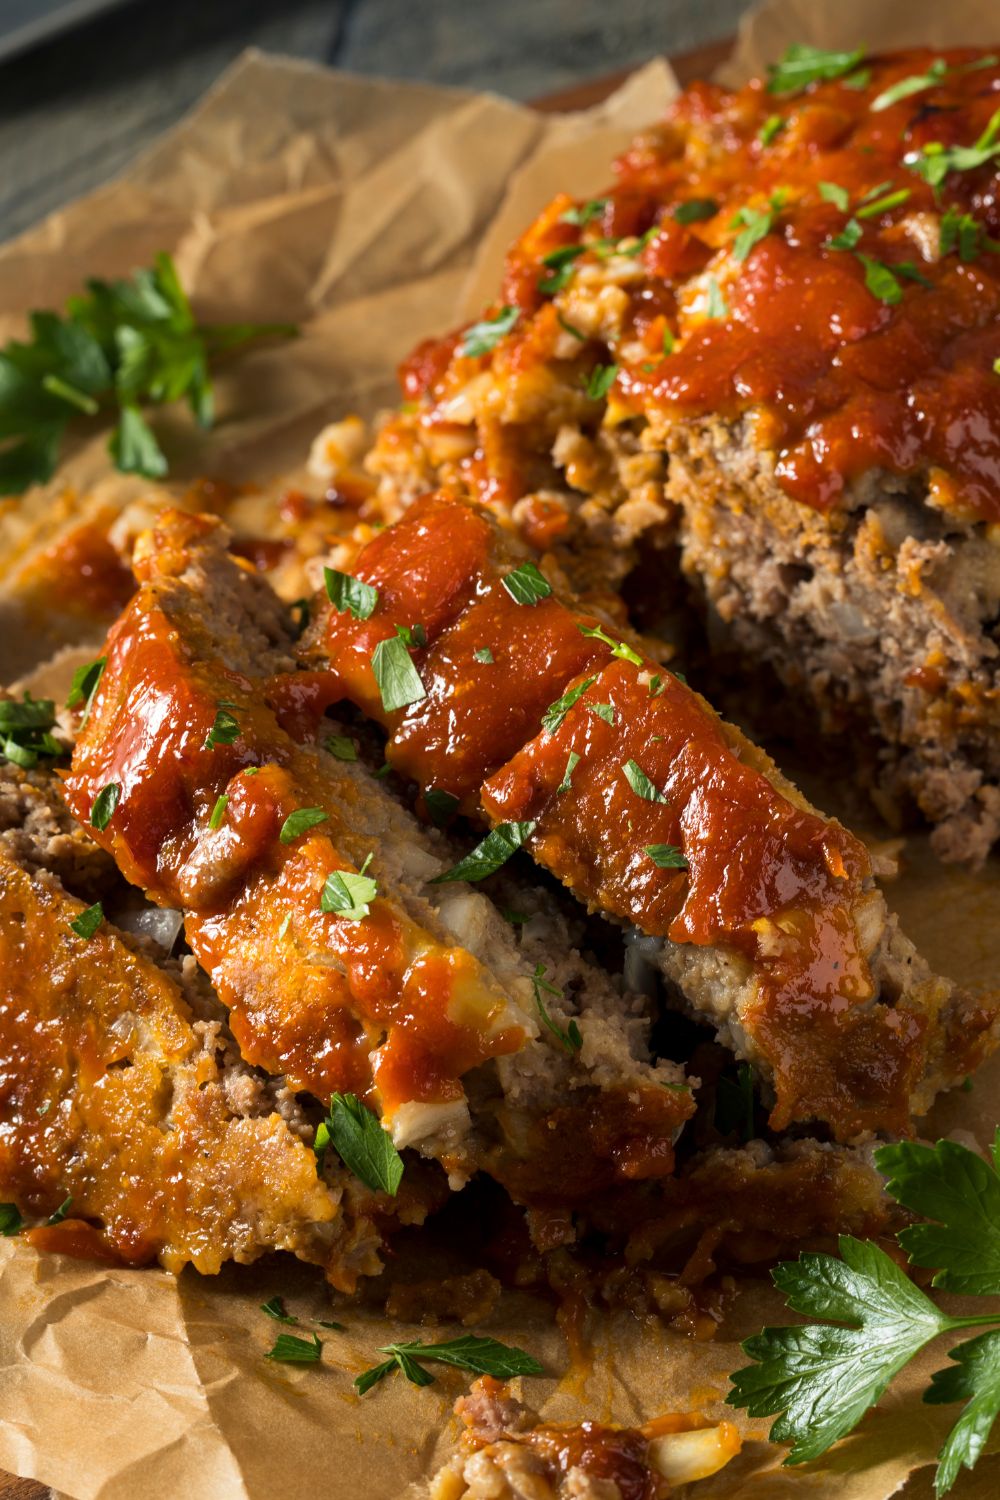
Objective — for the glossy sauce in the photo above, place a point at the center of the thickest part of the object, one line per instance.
(838, 381)
(765, 879)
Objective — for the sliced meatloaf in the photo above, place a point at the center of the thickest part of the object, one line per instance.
(762, 915)
(772, 342)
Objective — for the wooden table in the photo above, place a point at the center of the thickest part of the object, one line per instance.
(688, 66)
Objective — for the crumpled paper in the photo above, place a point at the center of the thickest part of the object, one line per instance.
(374, 213)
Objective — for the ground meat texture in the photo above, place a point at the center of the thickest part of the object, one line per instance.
(38, 831)
(825, 444)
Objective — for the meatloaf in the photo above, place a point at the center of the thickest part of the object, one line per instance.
(772, 345)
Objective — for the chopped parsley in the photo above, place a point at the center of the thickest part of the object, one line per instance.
(366, 1149)
(716, 306)
(570, 1039)
(61, 1212)
(11, 1222)
(668, 339)
(218, 811)
(556, 712)
(883, 281)
(346, 592)
(571, 328)
(604, 711)
(583, 213)
(87, 923)
(398, 679)
(560, 262)
(526, 585)
(935, 160)
(440, 804)
(692, 210)
(285, 924)
(482, 338)
(618, 648)
(104, 804)
(26, 731)
(757, 222)
(803, 65)
(571, 765)
(289, 1349)
(340, 747)
(86, 680)
(275, 1309)
(225, 727)
(347, 893)
(963, 233)
(832, 192)
(734, 1104)
(599, 382)
(483, 1356)
(300, 822)
(666, 856)
(848, 236)
(640, 782)
(871, 208)
(771, 128)
(916, 83)
(487, 857)
(484, 654)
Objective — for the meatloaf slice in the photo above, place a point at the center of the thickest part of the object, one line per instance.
(774, 339)
(415, 998)
(763, 915)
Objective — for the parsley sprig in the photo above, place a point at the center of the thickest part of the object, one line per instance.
(803, 65)
(483, 1356)
(121, 345)
(356, 1134)
(823, 1378)
(935, 160)
(26, 731)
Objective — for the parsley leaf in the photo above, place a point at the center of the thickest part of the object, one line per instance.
(832, 192)
(526, 585)
(880, 280)
(555, 713)
(772, 127)
(11, 1222)
(347, 893)
(104, 804)
(571, 764)
(570, 1039)
(289, 1349)
(914, 84)
(86, 680)
(61, 1212)
(848, 236)
(87, 923)
(300, 822)
(487, 857)
(398, 679)
(484, 654)
(975, 1378)
(758, 223)
(957, 1188)
(218, 811)
(225, 728)
(875, 206)
(25, 731)
(962, 232)
(275, 1309)
(440, 804)
(692, 210)
(583, 213)
(716, 305)
(934, 161)
(802, 65)
(599, 382)
(666, 856)
(560, 261)
(604, 711)
(640, 782)
(346, 592)
(340, 747)
(363, 1145)
(482, 338)
(483, 1356)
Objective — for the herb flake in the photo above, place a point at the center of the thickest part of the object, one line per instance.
(487, 857)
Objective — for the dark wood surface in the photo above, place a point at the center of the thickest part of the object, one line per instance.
(688, 66)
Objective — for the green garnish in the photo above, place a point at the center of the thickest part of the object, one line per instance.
(482, 338)
(86, 680)
(599, 382)
(347, 893)
(570, 1039)
(873, 207)
(772, 127)
(916, 83)
(340, 747)
(104, 804)
(289, 1349)
(526, 585)
(515, 918)
(823, 1378)
(571, 765)
(803, 65)
(666, 856)
(556, 712)
(61, 1212)
(398, 679)
(346, 592)
(301, 613)
(285, 924)
(717, 306)
(640, 782)
(561, 263)
(734, 1104)
(619, 648)
(25, 731)
(300, 822)
(413, 636)
(487, 857)
(482, 1356)
(692, 210)
(848, 236)
(571, 328)
(604, 711)
(87, 923)
(440, 804)
(757, 223)
(484, 654)
(225, 728)
(963, 233)
(934, 161)
(832, 192)
(668, 339)
(120, 344)
(583, 213)
(275, 1309)
(218, 811)
(11, 1222)
(880, 280)
(366, 1149)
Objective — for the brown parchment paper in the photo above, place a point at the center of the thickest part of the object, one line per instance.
(373, 213)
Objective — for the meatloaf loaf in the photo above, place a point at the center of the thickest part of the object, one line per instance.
(773, 341)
